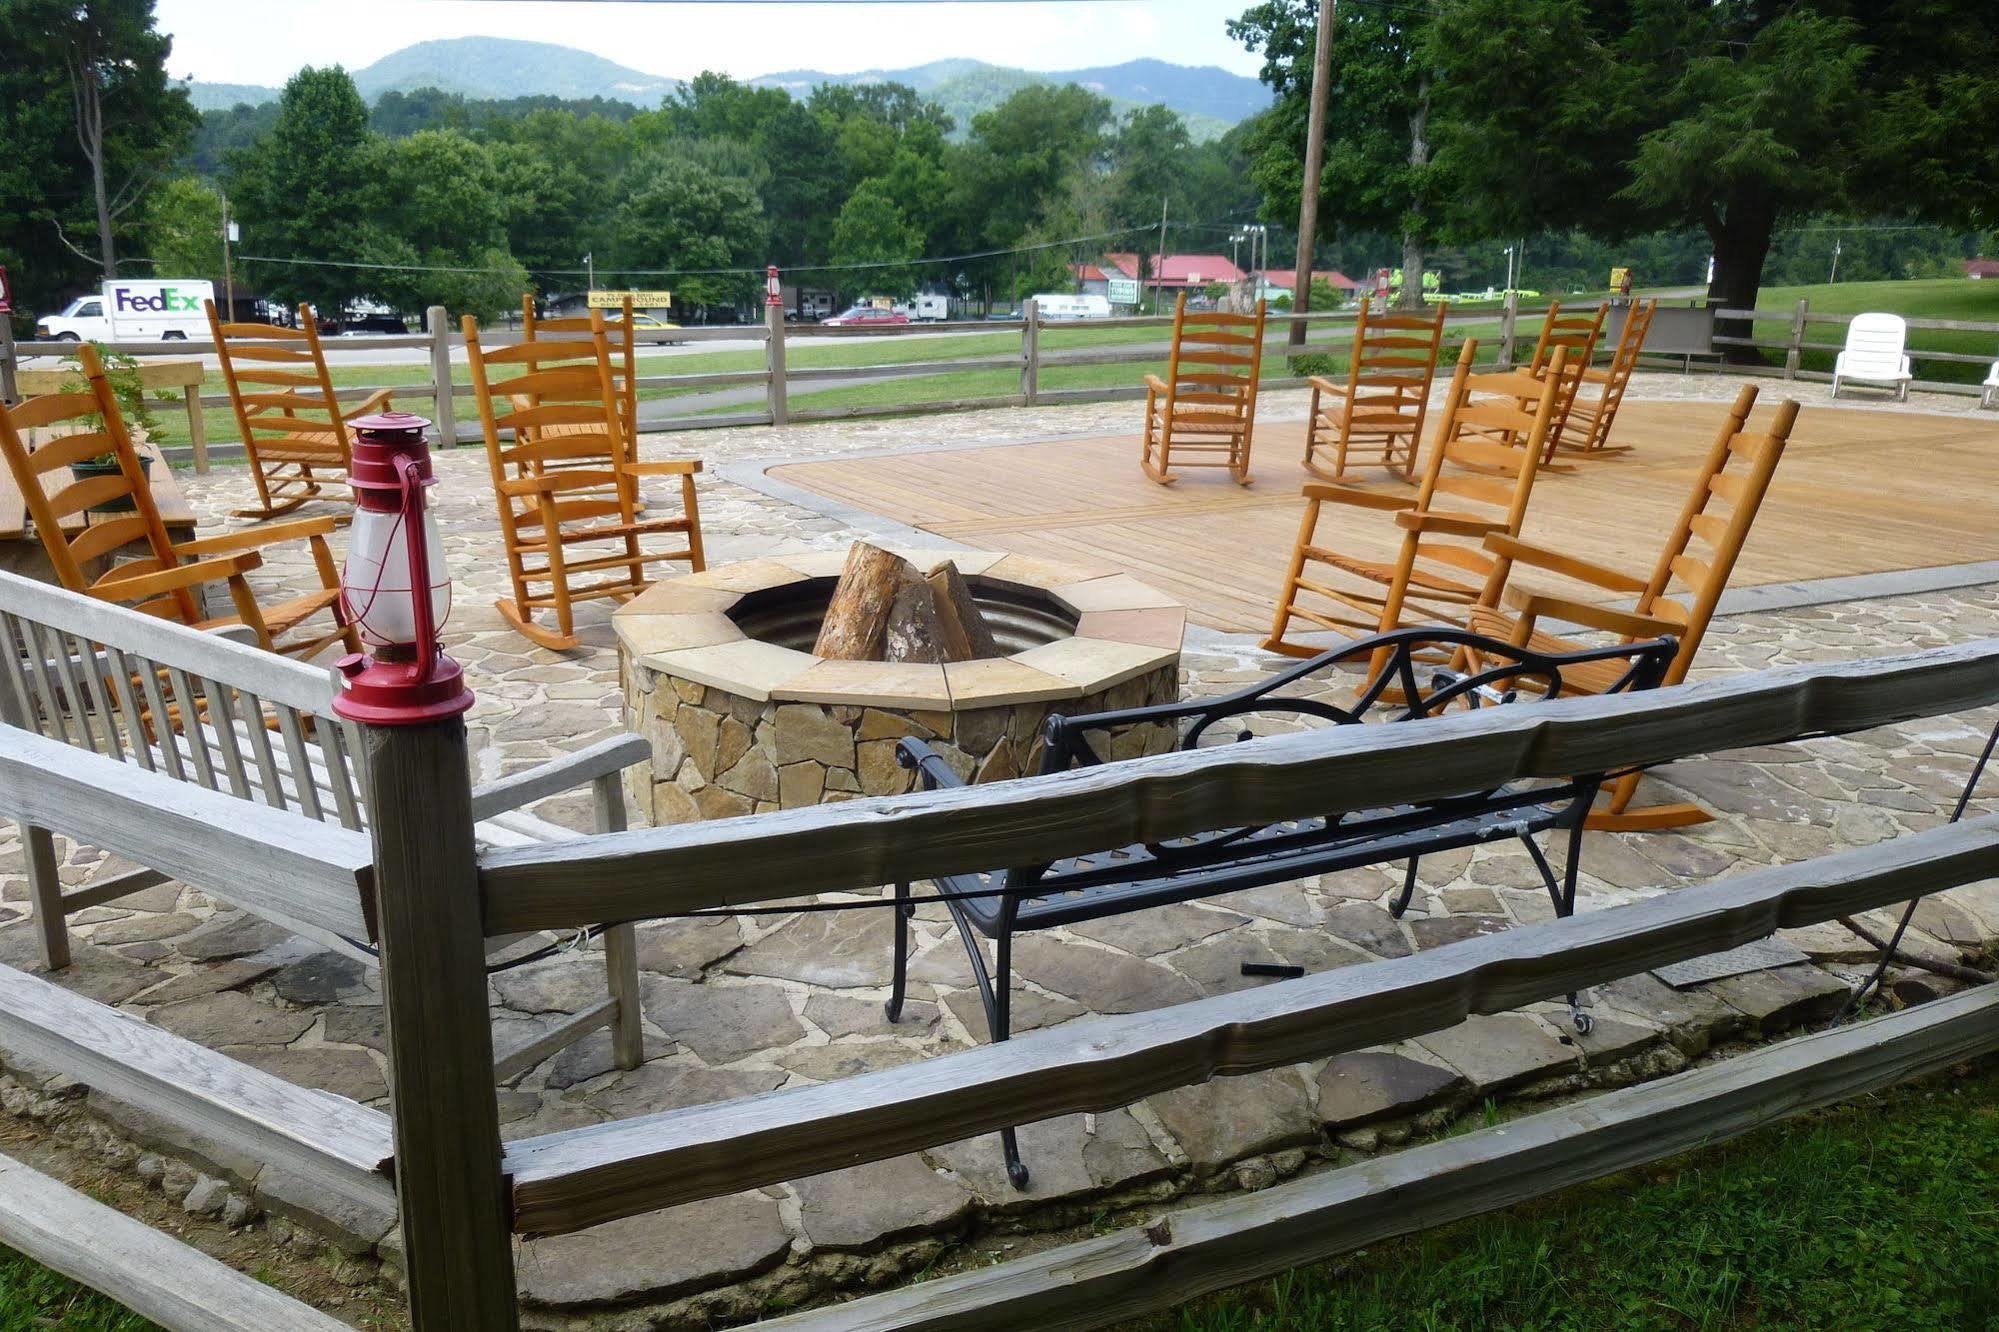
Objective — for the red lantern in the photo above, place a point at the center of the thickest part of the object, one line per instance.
(396, 587)
(773, 293)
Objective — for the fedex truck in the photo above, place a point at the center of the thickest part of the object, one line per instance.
(134, 310)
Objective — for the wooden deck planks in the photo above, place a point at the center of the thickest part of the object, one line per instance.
(1860, 491)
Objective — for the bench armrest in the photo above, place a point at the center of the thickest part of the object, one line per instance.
(927, 763)
(559, 775)
(256, 538)
(1521, 552)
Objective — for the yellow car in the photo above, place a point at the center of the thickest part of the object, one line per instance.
(645, 323)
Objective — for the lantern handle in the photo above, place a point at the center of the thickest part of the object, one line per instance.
(409, 473)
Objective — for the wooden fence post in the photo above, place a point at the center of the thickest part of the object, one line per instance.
(1030, 351)
(457, 1238)
(1797, 347)
(775, 390)
(1509, 317)
(440, 376)
(7, 393)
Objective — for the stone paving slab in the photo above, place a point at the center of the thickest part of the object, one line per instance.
(739, 1005)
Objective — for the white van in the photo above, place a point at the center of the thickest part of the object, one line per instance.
(134, 310)
(1072, 307)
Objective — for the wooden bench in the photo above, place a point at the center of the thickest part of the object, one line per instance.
(21, 550)
(183, 375)
(97, 676)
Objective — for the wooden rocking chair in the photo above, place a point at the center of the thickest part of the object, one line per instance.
(569, 499)
(621, 335)
(1590, 419)
(1678, 599)
(1376, 415)
(294, 428)
(1440, 566)
(1576, 334)
(1207, 402)
(157, 583)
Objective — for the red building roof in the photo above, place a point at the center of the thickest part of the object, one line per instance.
(1288, 277)
(1197, 270)
(1981, 268)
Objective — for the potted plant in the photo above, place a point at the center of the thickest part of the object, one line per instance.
(121, 372)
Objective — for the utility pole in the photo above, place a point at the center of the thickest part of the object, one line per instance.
(589, 277)
(1158, 269)
(1835, 261)
(1315, 162)
(228, 278)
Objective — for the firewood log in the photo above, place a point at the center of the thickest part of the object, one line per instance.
(966, 632)
(857, 616)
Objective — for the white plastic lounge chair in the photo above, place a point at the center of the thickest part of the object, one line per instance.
(1991, 386)
(1874, 354)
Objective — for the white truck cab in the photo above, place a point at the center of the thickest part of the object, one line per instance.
(135, 310)
(1050, 305)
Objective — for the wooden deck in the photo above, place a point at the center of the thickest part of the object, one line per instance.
(1858, 492)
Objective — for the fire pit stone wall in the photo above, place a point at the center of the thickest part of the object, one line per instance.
(739, 724)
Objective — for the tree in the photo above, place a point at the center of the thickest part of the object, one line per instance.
(436, 221)
(86, 114)
(872, 230)
(183, 228)
(680, 218)
(1624, 116)
(1380, 120)
(299, 193)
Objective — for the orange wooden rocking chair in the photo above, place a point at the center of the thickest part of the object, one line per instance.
(569, 500)
(1679, 598)
(1376, 415)
(294, 428)
(1587, 431)
(121, 504)
(1206, 405)
(1439, 566)
(1577, 335)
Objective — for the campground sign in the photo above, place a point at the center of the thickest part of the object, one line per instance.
(641, 300)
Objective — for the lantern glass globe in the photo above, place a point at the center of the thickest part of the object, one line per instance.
(376, 580)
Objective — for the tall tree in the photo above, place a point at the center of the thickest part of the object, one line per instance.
(679, 218)
(299, 192)
(872, 231)
(1381, 121)
(1623, 116)
(183, 228)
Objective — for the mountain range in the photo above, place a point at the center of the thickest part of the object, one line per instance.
(1208, 98)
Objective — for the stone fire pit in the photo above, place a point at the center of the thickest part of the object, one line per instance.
(743, 718)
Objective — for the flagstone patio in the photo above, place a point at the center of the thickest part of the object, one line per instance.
(746, 1004)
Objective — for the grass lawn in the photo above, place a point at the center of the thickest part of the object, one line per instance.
(1926, 298)
(33, 1299)
(1879, 1214)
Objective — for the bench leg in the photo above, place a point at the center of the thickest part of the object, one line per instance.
(1408, 888)
(1564, 894)
(899, 985)
(995, 993)
(45, 890)
(621, 952)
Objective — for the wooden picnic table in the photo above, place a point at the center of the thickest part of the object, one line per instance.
(21, 551)
(183, 375)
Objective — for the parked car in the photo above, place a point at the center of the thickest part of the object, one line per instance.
(374, 323)
(144, 310)
(857, 315)
(645, 323)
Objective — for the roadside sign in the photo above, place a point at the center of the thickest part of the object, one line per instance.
(1620, 281)
(1123, 291)
(641, 300)
(6, 294)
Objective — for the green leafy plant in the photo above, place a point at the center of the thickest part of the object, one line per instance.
(121, 372)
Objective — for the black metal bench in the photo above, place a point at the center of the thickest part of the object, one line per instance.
(1407, 684)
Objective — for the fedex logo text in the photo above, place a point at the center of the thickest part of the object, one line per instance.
(166, 300)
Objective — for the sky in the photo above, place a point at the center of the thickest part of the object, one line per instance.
(266, 41)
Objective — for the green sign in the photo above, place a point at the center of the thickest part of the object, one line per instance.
(1123, 291)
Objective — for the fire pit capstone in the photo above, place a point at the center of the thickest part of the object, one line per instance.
(742, 718)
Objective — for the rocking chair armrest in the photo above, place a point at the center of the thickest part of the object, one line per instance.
(1447, 524)
(674, 467)
(1521, 552)
(927, 763)
(1359, 499)
(256, 538)
(559, 775)
(179, 577)
(1155, 384)
(1325, 385)
(369, 405)
(1541, 605)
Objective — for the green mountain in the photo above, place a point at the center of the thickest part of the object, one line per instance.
(1209, 99)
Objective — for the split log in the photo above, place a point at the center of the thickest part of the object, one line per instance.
(916, 629)
(857, 616)
(965, 629)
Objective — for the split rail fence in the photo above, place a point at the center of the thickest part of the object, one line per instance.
(416, 885)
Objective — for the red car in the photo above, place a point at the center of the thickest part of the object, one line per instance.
(866, 314)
